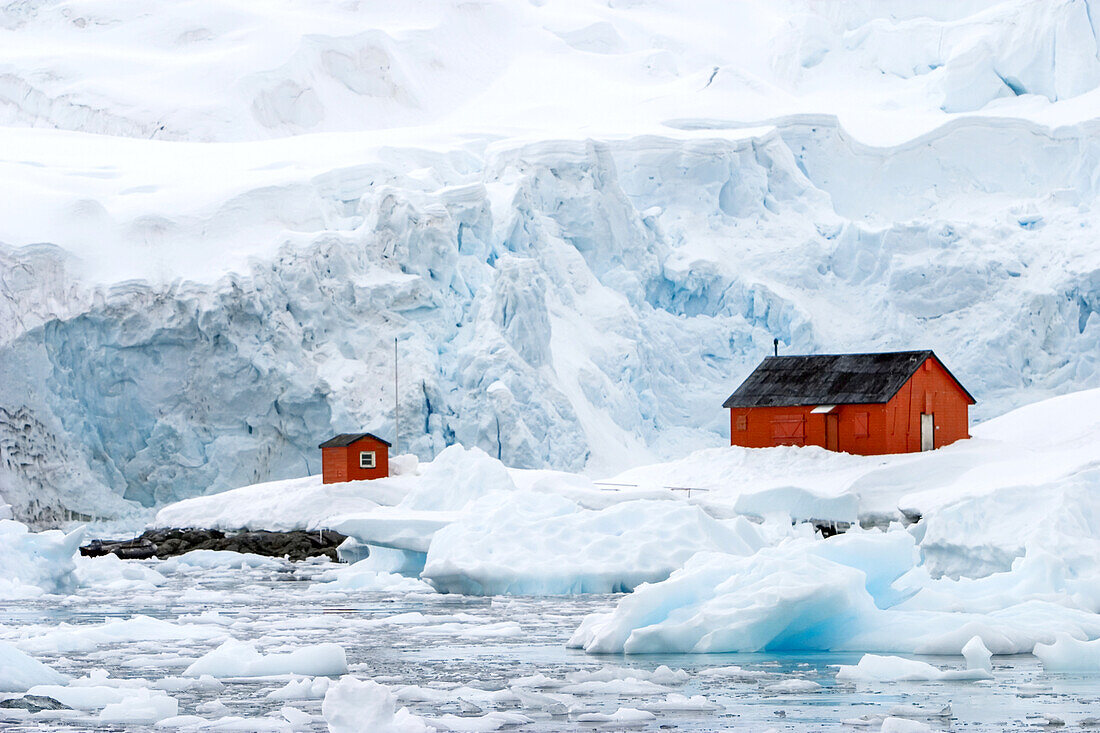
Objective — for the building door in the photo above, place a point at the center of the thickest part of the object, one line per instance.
(832, 432)
(927, 431)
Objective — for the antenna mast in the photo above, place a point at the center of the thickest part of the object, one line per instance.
(396, 420)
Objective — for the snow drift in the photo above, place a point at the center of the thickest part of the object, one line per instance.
(540, 544)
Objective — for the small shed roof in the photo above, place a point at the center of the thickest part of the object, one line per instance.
(343, 440)
(831, 379)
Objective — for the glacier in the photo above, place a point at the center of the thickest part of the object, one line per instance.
(596, 317)
(576, 268)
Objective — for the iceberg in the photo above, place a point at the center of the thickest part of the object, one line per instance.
(33, 563)
(791, 597)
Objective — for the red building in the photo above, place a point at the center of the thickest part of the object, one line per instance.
(353, 457)
(900, 402)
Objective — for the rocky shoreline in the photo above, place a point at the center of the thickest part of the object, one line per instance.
(162, 543)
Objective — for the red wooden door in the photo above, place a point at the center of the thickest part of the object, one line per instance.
(832, 432)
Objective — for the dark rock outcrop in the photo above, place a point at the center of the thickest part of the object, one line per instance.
(33, 703)
(295, 545)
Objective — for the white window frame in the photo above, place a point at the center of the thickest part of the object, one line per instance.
(367, 459)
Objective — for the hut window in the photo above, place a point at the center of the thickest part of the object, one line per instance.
(742, 422)
(366, 459)
(863, 421)
(789, 430)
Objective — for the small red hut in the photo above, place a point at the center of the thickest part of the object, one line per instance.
(870, 404)
(353, 457)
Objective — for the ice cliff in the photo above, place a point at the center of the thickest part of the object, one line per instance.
(582, 238)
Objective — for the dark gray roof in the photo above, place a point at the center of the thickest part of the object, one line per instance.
(343, 440)
(830, 379)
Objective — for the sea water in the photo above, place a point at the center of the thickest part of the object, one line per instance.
(440, 643)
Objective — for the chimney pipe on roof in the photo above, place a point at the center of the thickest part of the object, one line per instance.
(775, 343)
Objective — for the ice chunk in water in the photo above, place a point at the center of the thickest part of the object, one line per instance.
(18, 672)
(240, 659)
(621, 716)
(33, 563)
(1067, 654)
(363, 706)
(904, 725)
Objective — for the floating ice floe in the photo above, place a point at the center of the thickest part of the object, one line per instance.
(305, 689)
(240, 659)
(478, 723)
(623, 686)
(227, 559)
(33, 563)
(675, 702)
(145, 708)
(1067, 654)
(197, 723)
(463, 693)
(298, 719)
(362, 706)
(122, 576)
(622, 716)
(663, 675)
(904, 725)
(67, 638)
(362, 576)
(734, 672)
(792, 687)
(817, 595)
(19, 672)
(99, 697)
(187, 684)
(874, 668)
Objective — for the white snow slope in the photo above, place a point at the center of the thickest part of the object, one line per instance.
(1006, 548)
(1018, 503)
(585, 222)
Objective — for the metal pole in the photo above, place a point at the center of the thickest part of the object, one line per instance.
(396, 420)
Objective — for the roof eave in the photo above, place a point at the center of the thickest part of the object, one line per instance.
(929, 353)
(353, 441)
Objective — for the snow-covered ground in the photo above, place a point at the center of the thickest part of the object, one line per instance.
(986, 548)
(1024, 483)
(583, 235)
(719, 547)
